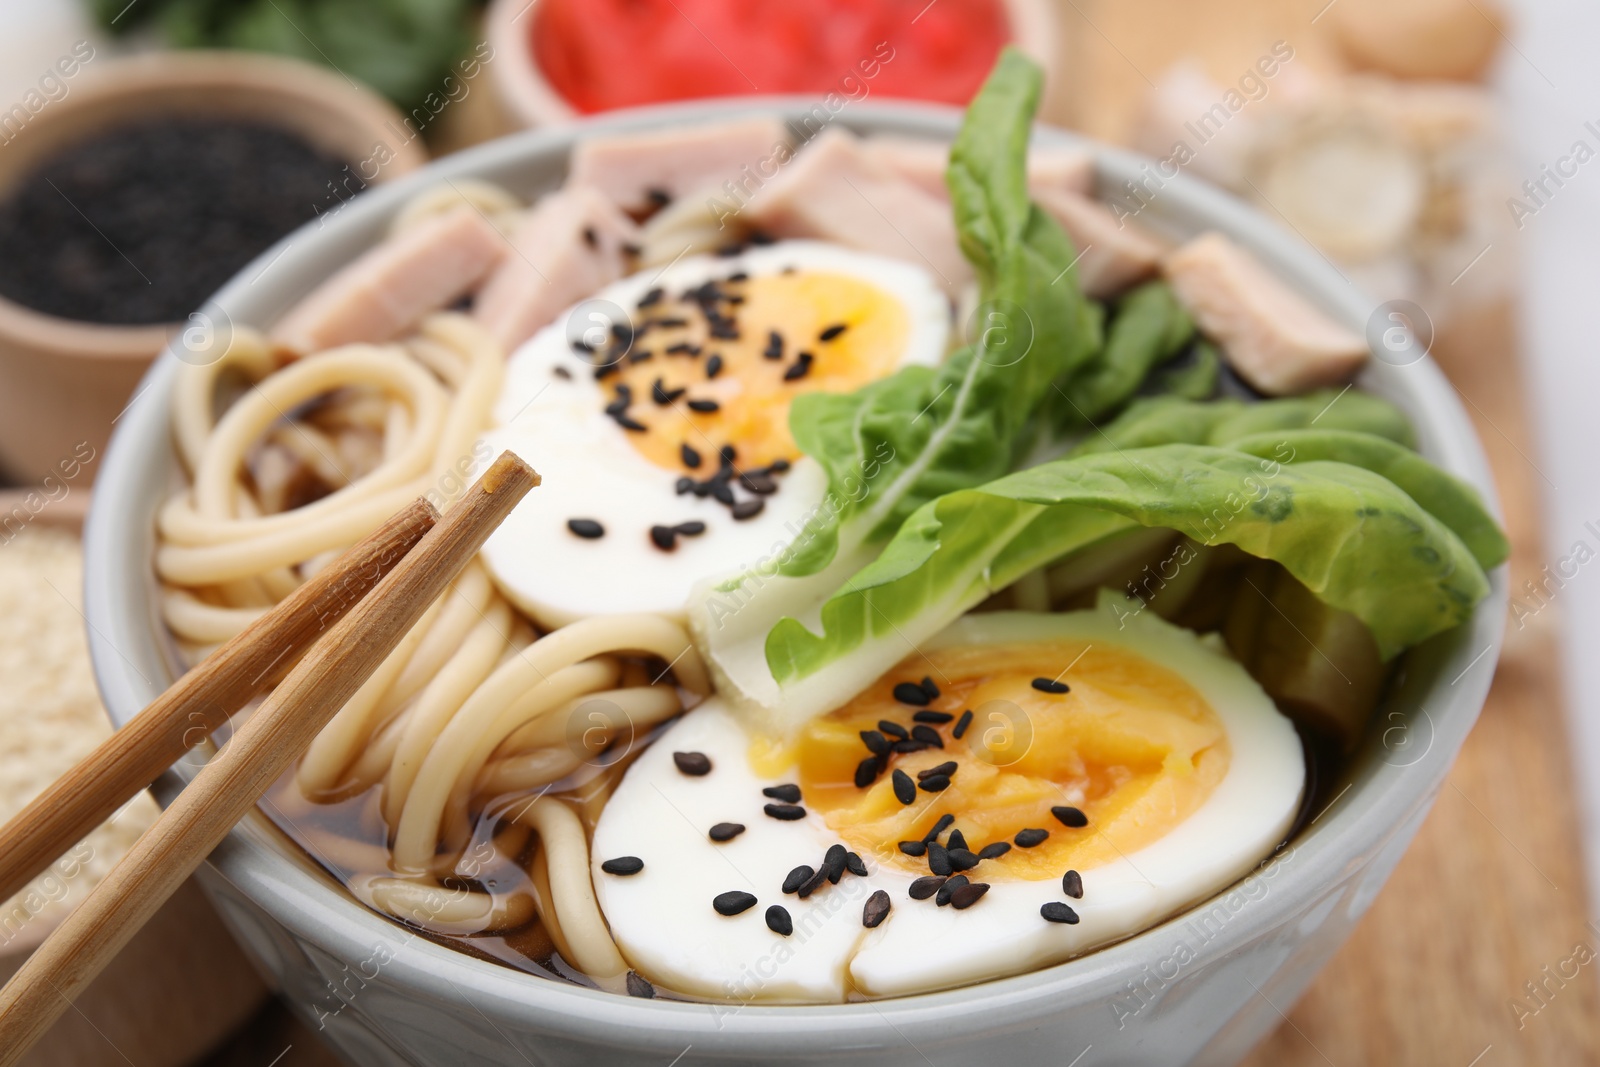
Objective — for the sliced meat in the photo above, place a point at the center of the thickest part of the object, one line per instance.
(628, 168)
(573, 243)
(922, 162)
(1270, 335)
(1113, 254)
(392, 286)
(833, 190)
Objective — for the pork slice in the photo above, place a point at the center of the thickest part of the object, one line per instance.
(834, 191)
(1269, 334)
(922, 162)
(571, 245)
(677, 162)
(389, 289)
(1112, 254)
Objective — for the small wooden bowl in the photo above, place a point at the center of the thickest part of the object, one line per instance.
(528, 99)
(181, 985)
(63, 383)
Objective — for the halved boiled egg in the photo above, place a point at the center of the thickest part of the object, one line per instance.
(1063, 781)
(657, 415)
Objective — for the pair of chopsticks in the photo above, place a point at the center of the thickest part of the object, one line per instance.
(345, 622)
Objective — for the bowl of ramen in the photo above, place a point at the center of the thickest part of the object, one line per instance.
(967, 612)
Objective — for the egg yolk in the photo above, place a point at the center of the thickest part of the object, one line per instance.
(1131, 744)
(730, 357)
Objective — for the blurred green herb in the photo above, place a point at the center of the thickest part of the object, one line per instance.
(402, 48)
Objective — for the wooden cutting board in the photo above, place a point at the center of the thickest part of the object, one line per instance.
(1491, 895)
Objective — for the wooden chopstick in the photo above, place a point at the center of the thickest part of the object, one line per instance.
(198, 703)
(259, 752)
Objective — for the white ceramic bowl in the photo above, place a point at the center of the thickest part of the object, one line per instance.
(1201, 988)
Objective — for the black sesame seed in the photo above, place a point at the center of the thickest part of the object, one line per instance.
(935, 718)
(733, 902)
(778, 466)
(875, 910)
(1057, 912)
(785, 812)
(683, 348)
(726, 831)
(628, 422)
(914, 848)
(694, 764)
(911, 693)
(590, 237)
(748, 509)
(925, 887)
(910, 746)
(927, 735)
(939, 859)
(876, 743)
(929, 688)
(812, 884)
(1030, 838)
(685, 485)
(692, 528)
(723, 330)
(664, 396)
(962, 859)
(962, 724)
(833, 862)
(690, 457)
(905, 790)
(797, 878)
(1072, 885)
(957, 839)
(855, 864)
(563, 373)
(935, 783)
(833, 331)
(640, 355)
(623, 865)
(758, 482)
(739, 276)
(713, 366)
(587, 529)
(640, 987)
(774, 349)
(867, 771)
(893, 729)
(631, 249)
(947, 768)
(994, 851)
(704, 407)
(799, 368)
(665, 537)
(658, 196)
(727, 454)
(670, 324)
(651, 299)
(943, 896)
(939, 827)
(1070, 816)
(1050, 685)
(778, 920)
(968, 895)
(722, 495)
(762, 237)
(789, 793)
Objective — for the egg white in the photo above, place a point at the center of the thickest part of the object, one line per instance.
(590, 469)
(664, 923)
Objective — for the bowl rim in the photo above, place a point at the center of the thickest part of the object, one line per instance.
(1386, 804)
(298, 86)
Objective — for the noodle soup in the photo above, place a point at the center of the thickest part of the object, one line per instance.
(837, 627)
